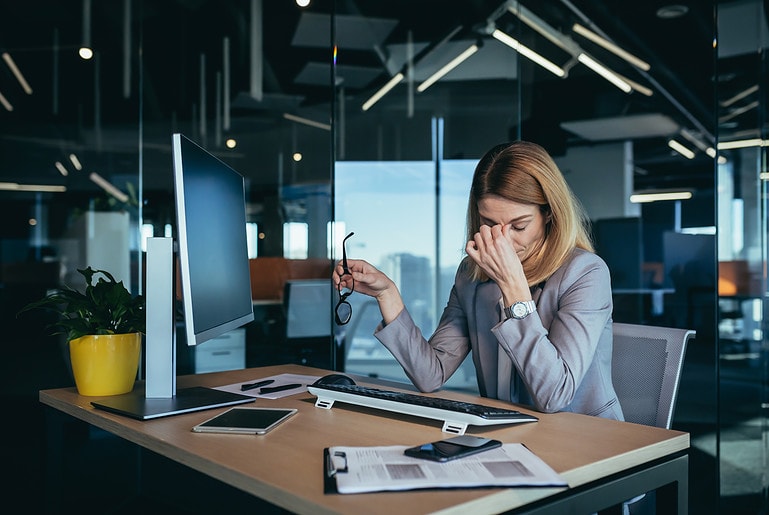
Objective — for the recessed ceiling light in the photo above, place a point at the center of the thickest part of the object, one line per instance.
(668, 12)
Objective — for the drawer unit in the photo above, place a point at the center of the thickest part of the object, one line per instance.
(226, 352)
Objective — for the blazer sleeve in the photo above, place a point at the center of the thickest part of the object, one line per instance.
(428, 363)
(555, 347)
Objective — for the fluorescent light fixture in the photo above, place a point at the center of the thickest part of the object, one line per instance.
(611, 47)
(85, 51)
(678, 147)
(528, 53)
(15, 186)
(75, 162)
(739, 96)
(548, 32)
(569, 45)
(636, 86)
(382, 91)
(446, 68)
(743, 143)
(17, 73)
(6, 104)
(712, 153)
(640, 198)
(737, 112)
(604, 72)
(108, 187)
(61, 168)
(307, 121)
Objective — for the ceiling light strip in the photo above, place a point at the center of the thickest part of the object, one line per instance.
(17, 73)
(61, 168)
(604, 72)
(537, 24)
(42, 188)
(678, 147)
(739, 96)
(636, 86)
(75, 162)
(640, 198)
(108, 187)
(743, 143)
(738, 112)
(446, 68)
(611, 47)
(382, 91)
(528, 53)
(307, 121)
(6, 104)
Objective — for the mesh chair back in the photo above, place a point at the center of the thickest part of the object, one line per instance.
(646, 371)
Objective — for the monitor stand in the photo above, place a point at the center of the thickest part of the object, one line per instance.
(159, 397)
(136, 404)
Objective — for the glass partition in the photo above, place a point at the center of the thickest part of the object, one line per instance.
(742, 254)
(409, 132)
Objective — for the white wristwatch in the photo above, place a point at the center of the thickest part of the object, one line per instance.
(521, 309)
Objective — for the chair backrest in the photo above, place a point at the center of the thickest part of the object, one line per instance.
(646, 371)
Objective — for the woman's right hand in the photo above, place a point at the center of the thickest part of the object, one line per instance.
(372, 282)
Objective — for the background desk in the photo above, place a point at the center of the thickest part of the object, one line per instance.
(603, 461)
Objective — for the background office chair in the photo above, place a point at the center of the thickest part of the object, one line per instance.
(646, 371)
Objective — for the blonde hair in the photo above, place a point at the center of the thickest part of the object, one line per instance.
(524, 172)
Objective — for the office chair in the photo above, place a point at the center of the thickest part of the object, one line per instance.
(646, 371)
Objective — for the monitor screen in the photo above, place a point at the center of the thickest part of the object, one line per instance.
(213, 254)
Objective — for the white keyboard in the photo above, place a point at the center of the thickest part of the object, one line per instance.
(456, 415)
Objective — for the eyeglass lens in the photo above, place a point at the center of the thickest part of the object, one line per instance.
(343, 310)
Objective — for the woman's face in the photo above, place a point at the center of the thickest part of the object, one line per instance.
(525, 221)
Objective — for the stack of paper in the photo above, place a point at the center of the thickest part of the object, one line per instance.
(371, 469)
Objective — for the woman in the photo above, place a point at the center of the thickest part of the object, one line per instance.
(530, 300)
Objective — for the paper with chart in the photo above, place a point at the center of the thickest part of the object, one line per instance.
(371, 469)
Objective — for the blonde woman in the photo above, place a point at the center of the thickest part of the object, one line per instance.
(531, 299)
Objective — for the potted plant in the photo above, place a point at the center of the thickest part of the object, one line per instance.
(103, 327)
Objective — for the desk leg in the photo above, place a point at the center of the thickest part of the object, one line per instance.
(54, 459)
(670, 477)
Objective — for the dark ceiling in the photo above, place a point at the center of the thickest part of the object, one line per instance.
(86, 106)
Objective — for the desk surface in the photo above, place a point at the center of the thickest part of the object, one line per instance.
(581, 448)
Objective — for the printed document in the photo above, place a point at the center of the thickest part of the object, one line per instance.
(371, 469)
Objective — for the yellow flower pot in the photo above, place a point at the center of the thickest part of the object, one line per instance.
(105, 364)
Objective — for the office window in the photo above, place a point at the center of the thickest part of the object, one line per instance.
(391, 207)
(295, 240)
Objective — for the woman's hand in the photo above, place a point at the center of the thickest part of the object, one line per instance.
(492, 248)
(368, 280)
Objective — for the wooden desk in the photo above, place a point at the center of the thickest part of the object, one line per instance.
(603, 461)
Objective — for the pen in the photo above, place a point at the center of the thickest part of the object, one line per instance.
(257, 384)
(280, 388)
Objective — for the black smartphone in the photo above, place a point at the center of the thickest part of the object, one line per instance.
(452, 448)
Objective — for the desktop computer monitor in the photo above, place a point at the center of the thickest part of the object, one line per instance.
(215, 282)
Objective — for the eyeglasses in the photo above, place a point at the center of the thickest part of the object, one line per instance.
(343, 310)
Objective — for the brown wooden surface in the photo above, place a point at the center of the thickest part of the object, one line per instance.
(285, 466)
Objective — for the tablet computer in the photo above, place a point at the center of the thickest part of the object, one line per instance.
(245, 421)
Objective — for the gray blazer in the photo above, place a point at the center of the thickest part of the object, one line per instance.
(556, 359)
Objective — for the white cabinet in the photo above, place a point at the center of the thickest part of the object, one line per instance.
(226, 352)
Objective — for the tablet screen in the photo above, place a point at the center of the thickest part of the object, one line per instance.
(242, 420)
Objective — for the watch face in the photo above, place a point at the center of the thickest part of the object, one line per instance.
(519, 310)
